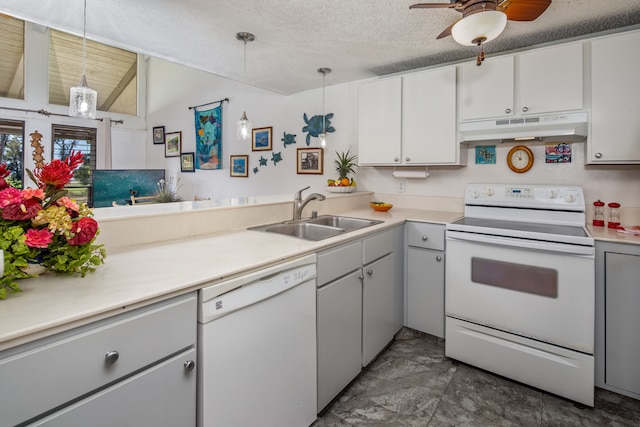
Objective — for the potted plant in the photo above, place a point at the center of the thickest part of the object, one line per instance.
(345, 164)
(43, 226)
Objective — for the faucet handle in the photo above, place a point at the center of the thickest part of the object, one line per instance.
(299, 193)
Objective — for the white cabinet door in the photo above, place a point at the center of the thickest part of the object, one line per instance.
(425, 290)
(615, 100)
(550, 80)
(339, 335)
(379, 122)
(622, 317)
(429, 117)
(488, 90)
(377, 307)
(162, 396)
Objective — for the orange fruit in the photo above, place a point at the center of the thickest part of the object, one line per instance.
(344, 181)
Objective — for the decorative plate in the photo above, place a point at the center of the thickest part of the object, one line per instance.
(343, 189)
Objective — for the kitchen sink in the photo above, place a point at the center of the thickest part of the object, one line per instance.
(319, 228)
(347, 223)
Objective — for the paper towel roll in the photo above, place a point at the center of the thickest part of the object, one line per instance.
(410, 174)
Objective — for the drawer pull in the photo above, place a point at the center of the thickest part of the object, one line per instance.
(189, 365)
(111, 357)
(438, 258)
(370, 272)
(425, 238)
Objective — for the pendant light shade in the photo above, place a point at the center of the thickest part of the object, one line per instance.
(244, 125)
(83, 100)
(322, 137)
(481, 27)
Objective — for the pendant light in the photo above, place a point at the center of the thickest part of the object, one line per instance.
(83, 99)
(323, 136)
(244, 125)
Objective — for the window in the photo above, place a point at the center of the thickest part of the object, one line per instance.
(12, 54)
(11, 150)
(70, 138)
(112, 72)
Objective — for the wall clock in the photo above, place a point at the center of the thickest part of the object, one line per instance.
(520, 159)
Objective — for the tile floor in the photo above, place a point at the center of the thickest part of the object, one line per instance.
(413, 384)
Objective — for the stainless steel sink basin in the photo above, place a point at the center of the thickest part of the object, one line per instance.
(319, 228)
(347, 223)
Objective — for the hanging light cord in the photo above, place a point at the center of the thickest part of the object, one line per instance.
(324, 126)
(84, 40)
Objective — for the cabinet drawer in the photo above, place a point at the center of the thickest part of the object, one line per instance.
(423, 235)
(337, 262)
(377, 246)
(49, 372)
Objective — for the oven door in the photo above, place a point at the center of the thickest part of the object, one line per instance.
(540, 290)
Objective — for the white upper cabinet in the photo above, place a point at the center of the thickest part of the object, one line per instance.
(379, 122)
(409, 120)
(487, 90)
(615, 100)
(535, 82)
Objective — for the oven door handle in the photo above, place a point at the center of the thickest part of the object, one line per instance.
(577, 250)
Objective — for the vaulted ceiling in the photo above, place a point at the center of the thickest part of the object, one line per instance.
(355, 38)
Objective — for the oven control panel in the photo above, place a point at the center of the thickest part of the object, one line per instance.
(569, 197)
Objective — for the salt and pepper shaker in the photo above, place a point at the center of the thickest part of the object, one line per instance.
(614, 215)
(598, 213)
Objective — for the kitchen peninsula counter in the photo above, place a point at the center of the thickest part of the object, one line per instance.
(143, 274)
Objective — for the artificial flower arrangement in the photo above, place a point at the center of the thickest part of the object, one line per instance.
(42, 225)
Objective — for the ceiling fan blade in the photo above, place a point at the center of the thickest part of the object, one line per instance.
(446, 32)
(523, 10)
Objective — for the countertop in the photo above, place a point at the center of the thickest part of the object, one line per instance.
(140, 275)
(612, 235)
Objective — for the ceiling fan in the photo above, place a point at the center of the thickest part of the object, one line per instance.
(484, 20)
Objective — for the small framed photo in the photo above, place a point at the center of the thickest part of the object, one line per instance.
(187, 162)
(172, 144)
(310, 161)
(261, 140)
(239, 166)
(158, 135)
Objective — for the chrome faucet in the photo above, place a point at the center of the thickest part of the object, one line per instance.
(299, 204)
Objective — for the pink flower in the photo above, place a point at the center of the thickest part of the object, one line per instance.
(29, 193)
(22, 210)
(38, 238)
(9, 196)
(68, 203)
(84, 231)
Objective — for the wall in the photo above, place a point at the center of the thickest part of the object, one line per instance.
(173, 88)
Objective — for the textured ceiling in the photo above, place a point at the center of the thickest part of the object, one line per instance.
(355, 38)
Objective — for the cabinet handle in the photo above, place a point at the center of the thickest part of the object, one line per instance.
(395, 159)
(425, 238)
(598, 155)
(189, 365)
(525, 109)
(111, 357)
(407, 159)
(438, 258)
(370, 272)
(507, 110)
(361, 277)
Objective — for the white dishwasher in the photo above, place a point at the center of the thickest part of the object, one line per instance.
(257, 348)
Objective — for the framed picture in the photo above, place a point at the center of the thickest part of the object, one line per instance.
(261, 140)
(158, 135)
(239, 166)
(310, 160)
(187, 162)
(172, 144)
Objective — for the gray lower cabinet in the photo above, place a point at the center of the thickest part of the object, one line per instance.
(121, 368)
(425, 277)
(618, 317)
(356, 308)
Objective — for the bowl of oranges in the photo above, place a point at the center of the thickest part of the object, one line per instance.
(344, 185)
(380, 206)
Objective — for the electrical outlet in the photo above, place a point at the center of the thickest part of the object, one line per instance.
(402, 186)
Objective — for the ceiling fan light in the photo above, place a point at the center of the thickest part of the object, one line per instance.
(484, 26)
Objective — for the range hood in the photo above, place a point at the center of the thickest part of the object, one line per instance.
(550, 125)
